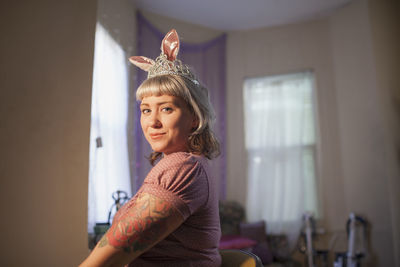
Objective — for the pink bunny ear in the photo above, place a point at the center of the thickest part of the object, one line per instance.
(170, 45)
(142, 62)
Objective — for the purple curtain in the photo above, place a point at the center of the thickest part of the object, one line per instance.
(208, 61)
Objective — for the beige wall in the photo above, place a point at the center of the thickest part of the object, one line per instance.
(363, 128)
(385, 23)
(46, 54)
(188, 32)
(119, 18)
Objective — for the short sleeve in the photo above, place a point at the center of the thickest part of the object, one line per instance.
(181, 179)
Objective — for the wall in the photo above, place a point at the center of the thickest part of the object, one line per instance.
(46, 56)
(362, 127)
(119, 18)
(386, 42)
(188, 32)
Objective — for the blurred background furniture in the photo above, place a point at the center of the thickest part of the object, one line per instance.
(239, 258)
(272, 250)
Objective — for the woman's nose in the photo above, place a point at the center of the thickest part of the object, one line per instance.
(154, 121)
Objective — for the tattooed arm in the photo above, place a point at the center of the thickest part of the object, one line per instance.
(141, 226)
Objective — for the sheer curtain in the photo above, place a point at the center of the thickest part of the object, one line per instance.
(109, 163)
(280, 141)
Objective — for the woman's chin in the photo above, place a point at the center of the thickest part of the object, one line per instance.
(168, 149)
(158, 149)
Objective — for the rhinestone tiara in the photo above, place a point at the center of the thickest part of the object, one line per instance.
(163, 66)
(166, 62)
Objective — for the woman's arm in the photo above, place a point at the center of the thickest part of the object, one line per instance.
(149, 220)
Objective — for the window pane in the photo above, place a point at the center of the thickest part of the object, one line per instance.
(284, 104)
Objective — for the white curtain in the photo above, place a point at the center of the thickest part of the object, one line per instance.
(109, 164)
(280, 142)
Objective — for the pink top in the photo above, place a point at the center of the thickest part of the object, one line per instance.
(182, 179)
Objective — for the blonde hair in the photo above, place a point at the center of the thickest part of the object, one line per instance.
(202, 140)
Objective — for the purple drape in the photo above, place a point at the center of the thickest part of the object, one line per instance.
(208, 61)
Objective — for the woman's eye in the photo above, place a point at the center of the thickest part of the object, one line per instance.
(167, 109)
(145, 110)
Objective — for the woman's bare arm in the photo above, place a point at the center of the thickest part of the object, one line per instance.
(148, 221)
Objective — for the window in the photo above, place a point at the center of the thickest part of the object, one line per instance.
(109, 163)
(280, 138)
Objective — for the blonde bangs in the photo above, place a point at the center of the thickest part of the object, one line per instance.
(162, 85)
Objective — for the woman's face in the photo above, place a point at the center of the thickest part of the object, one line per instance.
(166, 123)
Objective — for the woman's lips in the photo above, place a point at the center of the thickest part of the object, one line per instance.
(156, 135)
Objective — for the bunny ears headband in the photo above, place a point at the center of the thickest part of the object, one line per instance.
(166, 62)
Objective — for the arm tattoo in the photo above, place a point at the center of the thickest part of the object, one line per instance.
(139, 226)
(103, 241)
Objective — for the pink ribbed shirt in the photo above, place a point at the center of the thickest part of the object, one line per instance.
(183, 179)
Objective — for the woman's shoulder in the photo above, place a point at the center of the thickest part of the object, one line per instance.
(180, 172)
(182, 158)
(179, 166)
(180, 177)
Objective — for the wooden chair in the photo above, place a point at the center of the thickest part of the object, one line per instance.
(239, 258)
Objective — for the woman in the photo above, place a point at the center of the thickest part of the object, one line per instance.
(173, 219)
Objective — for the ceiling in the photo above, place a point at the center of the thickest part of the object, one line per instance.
(240, 14)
